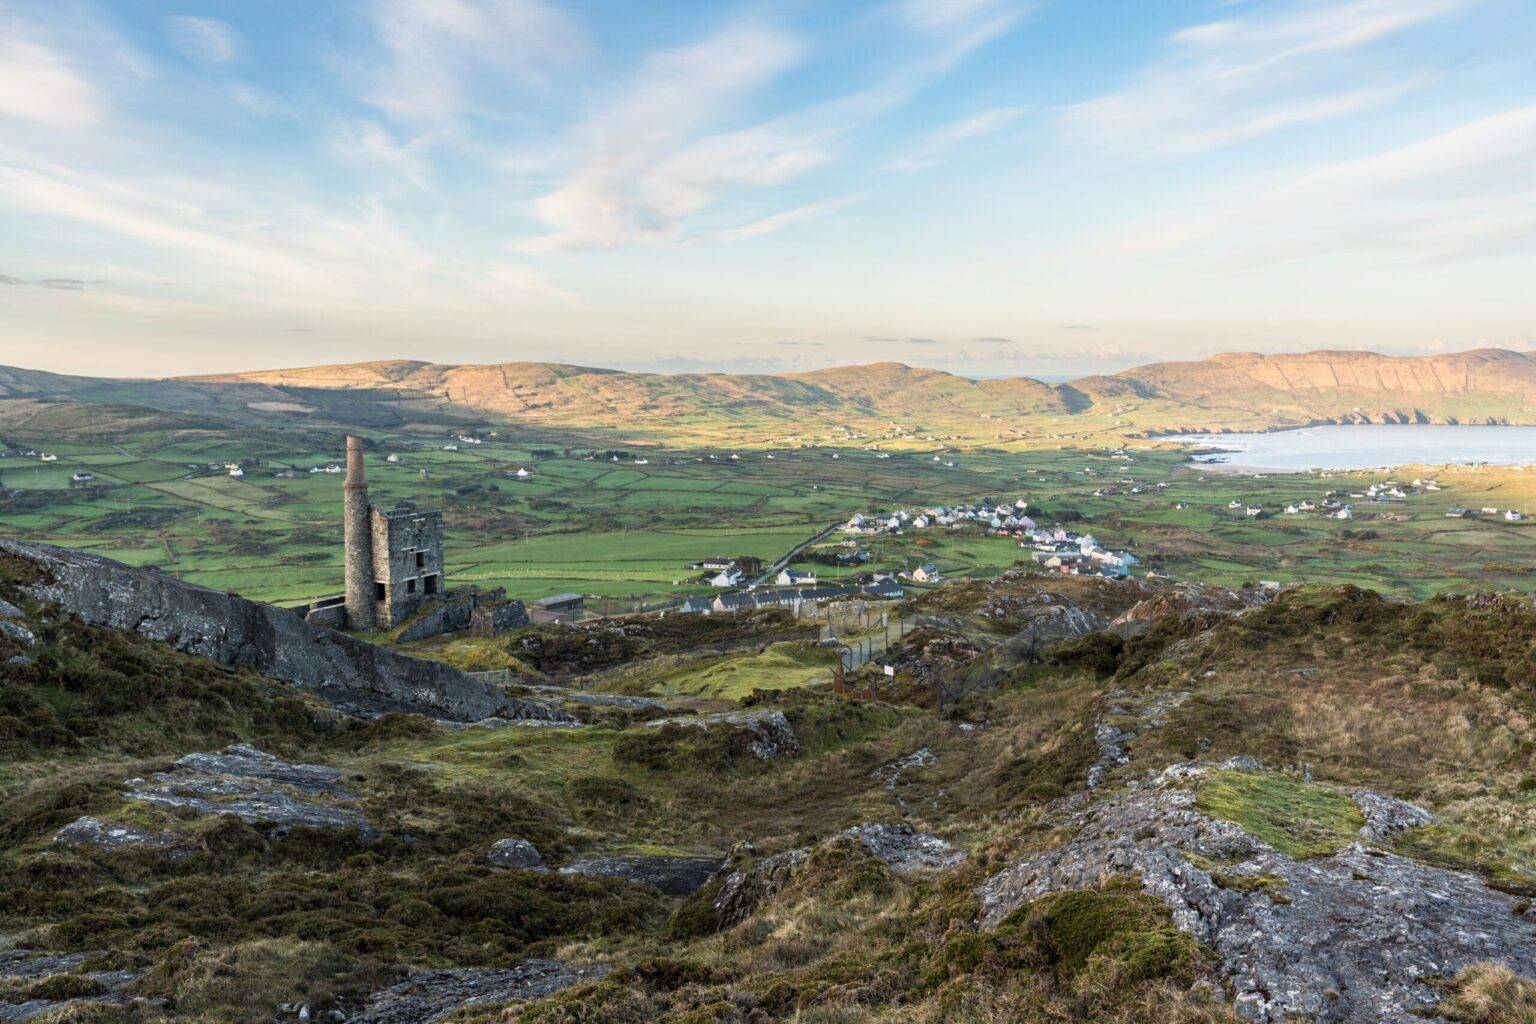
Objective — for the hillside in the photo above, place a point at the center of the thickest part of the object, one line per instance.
(1247, 389)
(888, 402)
(1172, 803)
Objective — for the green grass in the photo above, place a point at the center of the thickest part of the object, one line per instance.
(1297, 818)
(782, 666)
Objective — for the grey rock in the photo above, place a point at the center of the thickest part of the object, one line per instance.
(674, 876)
(889, 775)
(904, 848)
(1112, 742)
(94, 832)
(28, 966)
(237, 632)
(748, 883)
(246, 761)
(255, 787)
(427, 996)
(17, 632)
(597, 699)
(10, 611)
(515, 853)
(18, 659)
(1353, 938)
(1386, 816)
(772, 735)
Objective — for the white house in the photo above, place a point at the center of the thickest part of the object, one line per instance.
(927, 573)
(1344, 513)
(237, 471)
(522, 473)
(391, 457)
(795, 578)
(726, 577)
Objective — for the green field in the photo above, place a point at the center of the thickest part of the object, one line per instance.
(622, 529)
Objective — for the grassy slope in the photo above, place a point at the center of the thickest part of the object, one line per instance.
(1430, 702)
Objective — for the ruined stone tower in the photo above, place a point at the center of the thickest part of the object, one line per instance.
(357, 539)
(394, 559)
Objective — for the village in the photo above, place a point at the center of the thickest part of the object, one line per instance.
(1054, 547)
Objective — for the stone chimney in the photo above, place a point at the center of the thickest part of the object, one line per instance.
(357, 539)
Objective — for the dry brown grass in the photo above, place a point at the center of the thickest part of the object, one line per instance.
(1489, 993)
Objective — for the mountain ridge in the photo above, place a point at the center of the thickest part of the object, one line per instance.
(1230, 390)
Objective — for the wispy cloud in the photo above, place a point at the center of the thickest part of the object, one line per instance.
(39, 84)
(436, 50)
(1284, 65)
(661, 151)
(524, 282)
(946, 141)
(1464, 194)
(643, 171)
(787, 218)
(204, 40)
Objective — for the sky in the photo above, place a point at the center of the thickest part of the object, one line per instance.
(990, 187)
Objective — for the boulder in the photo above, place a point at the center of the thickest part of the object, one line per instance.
(674, 876)
(17, 632)
(772, 735)
(1386, 816)
(515, 853)
(744, 888)
(10, 611)
(428, 996)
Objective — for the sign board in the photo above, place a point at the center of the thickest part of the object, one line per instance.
(890, 670)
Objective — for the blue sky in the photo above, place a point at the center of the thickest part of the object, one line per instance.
(987, 186)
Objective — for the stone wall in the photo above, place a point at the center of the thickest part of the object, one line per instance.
(494, 619)
(330, 616)
(234, 631)
(408, 560)
(448, 614)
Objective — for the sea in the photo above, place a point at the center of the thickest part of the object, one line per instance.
(1372, 446)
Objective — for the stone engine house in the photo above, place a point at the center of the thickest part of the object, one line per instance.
(394, 559)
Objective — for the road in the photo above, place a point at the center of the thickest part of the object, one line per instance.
(773, 570)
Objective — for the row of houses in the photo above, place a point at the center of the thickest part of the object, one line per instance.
(1511, 515)
(793, 597)
(993, 516)
(1076, 554)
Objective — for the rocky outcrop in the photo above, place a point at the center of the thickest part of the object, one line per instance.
(749, 883)
(428, 996)
(1352, 937)
(597, 699)
(255, 787)
(1386, 816)
(674, 876)
(904, 849)
(27, 969)
(771, 734)
(237, 632)
(746, 881)
(515, 853)
(111, 838)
